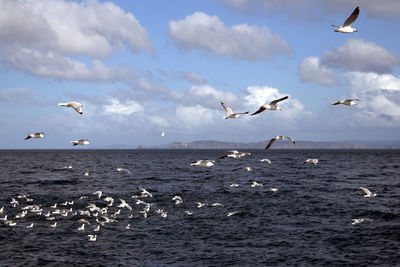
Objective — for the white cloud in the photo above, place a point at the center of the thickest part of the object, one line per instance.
(209, 33)
(193, 77)
(127, 108)
(363, 56)
(69, 28)
(192, 117)
(310, 70)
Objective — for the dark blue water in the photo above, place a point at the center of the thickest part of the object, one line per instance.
(308, 221)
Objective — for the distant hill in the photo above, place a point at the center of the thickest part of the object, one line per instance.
(211, 144)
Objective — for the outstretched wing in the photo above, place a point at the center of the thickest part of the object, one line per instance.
(278, 100)
(261, 109)
(243, 112)
(270, 143)
(366, 190)
(77, 106)
(350, 20)
(337, 103)
(227, 109)
(290, 139)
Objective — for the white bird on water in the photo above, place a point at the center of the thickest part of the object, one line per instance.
(313, 161)
(35, 135)
(229, 214)
(229, 112)
(92, 238)
(266, 160)
(203, 163)
(367, 192)
(271, 106)
(86, 172)
(279, 137)
(347, 102)
(75, 105)
(346, 27)
(124, 204)
(123, 170)
(235, 154)
(360, 220)
(81, 142)
(255, 184)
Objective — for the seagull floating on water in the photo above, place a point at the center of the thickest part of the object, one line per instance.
(92, 238)
(279, 137)
(255, 184)
(81, 142)
(360, 220)
(203, 163)
(35, 135)
(346, 27)
(229, 112)
(313, 161)
(347, 102)
(266, 160)
(367, 192)
(123, 170)
(75, 105)
(271, 106)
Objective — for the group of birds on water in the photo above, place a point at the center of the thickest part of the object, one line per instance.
(102, 211)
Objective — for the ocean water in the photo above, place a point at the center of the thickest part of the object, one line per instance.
(307, 222)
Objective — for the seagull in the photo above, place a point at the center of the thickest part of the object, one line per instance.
(235, 154)
(29, 226)
(234, 185)
(163, 133)
(360, 220)
(178, 200)
(75, 105)
(313, 161)
(86, 172)
(123, 170)
(229, 112)
(274, 189)
(254, 184)
(271, 106)
(249, 169)
(279, 137)
(128, 226)
(266, 160)
(188, 212)
(35, 135)
(97, 228)
(82, 228)
(346, 27)
(367, 192)
(203, 163)
(54, 225)
(200, 205)
(124, 204)
(98, 193)
(145, 193)
(81, 142)
(229, 214)
(347, 102)
(217, 204)
(92, 238)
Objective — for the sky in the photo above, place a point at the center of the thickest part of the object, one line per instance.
(143, 67)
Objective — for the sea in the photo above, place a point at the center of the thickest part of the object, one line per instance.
(294, 214)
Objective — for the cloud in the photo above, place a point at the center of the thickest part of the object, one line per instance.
(314, 10)
(17, 95)
(193, 77)
(127, 108)
(69, 28)
(310, 70)
(209, 33)
(362, 56)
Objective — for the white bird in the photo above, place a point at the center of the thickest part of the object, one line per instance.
(200, 205)
(75, 105)
(229, 112)
(255, 184)
(235, 154)
(347, 102)
(279, 137)
(313, 161)
(97, 228)
(367, 192)
(98, 193)
(29, 226)
(266, 160)
(54, 225)
(163, 133)
(248, 169)
(360, 220)
(81, 142)
(234, 185)
(86, 172)
(145, 193)
(128, 226)
(124, 204)
(92, 238)
(229, 214)
(82, 227)
(35, 135)
(123, 170)
(346, 27)
(271, 106)
(217, 204)
(188, 212)
(1, 210)
(178, 200)
(203, 163)
(68, 167)
(274, 189)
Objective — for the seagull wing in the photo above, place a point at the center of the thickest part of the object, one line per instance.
(243, 112)
(227, 109)
(77, 106)
(366, 190)
(350, 20)
(270, 143)
(261, 109)
(290, 139)
(337, 103)
(278, 100)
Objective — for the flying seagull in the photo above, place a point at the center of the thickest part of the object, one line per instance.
(347, 102)
(75, 105)
(229, 112)
(360, 220)
(35, 135)
(279, 137)
(266, 160)
(123, 170)
(271, 106)
(81, 142)
(235, 154)
(163, 133)
(367, 192)
(313, 161)
(346, 27)
(203, 163)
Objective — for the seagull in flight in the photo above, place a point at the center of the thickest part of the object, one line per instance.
(313, 161)
(271, 106)
(266, 160)
(75, 105)
(279, 137)
(229, 112)
(346, 27)
(35, 135)
(367, 192)
(203, 163)
(81, 142)
(235, 154)
(124, 170)
(347, 102)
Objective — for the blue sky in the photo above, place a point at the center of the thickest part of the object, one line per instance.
(141, 67)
